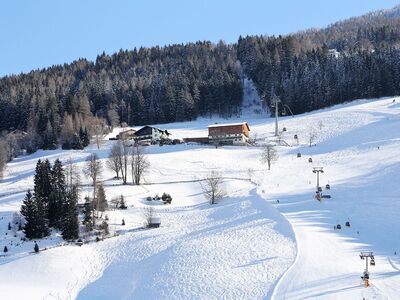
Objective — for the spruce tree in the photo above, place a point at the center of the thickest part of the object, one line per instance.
(88, 215)
(84, 137)
(57, 196)
(42, 225)
(122, 204)
(70, 223)
(5, 250)
(28, 210)
(36, 248)
(42, 181)
(101, 201)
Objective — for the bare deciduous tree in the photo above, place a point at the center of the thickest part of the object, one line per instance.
(93, 169)
(116, 201)
(148, 214)
(101, 201)
(72, 174)
(124, 159)
(320, 125)
(212, 187)
(97, 129)
(139, 164)
(114, 159)
(269, 155)
(312, 135)
(250, 173)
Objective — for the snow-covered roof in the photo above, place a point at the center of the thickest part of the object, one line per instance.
(229, 124)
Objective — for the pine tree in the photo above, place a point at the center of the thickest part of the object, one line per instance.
(36, 248)
(28, 210)
(101, 203)
(9, 226)
(36, 223)
(122, 204)
(76, 142)
(57, 196)
(70, 223)
(50, 138)
(88, 215)
(85, 138)
(42, 181)
(42, 225)
(5, 249)
(104, 227)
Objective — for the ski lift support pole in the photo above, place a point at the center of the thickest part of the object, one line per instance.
(318, 170)
(366, 255)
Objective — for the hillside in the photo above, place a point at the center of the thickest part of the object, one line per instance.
(248, 245)
(351, 59)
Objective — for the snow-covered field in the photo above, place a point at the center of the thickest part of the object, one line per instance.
(248, 246)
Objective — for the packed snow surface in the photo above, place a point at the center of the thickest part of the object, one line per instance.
(269, 238)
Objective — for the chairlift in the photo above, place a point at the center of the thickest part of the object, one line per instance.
(365, 275)
(328, 187)
(372, 262)
(347, 224)
(338, 226)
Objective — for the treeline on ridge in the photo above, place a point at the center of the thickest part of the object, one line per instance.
(355, 58)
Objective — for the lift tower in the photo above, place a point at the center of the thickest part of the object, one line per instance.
(366, 255)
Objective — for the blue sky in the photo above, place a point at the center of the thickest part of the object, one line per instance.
(40, 33)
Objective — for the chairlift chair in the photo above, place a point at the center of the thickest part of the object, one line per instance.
(365, 275)
(348, 224)
(310, 160)
(338, 226)
(328, 187)
(372, 262)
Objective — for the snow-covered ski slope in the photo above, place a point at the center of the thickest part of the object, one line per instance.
(248, 246)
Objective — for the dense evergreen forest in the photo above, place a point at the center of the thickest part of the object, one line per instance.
(66, 104)
(144, 86)
(356, 58)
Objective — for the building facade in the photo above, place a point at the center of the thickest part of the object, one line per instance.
(229, 134)
(152, 134)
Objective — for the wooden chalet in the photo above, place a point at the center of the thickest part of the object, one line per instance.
(126, 134)
(229, 134)
(152, 134)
